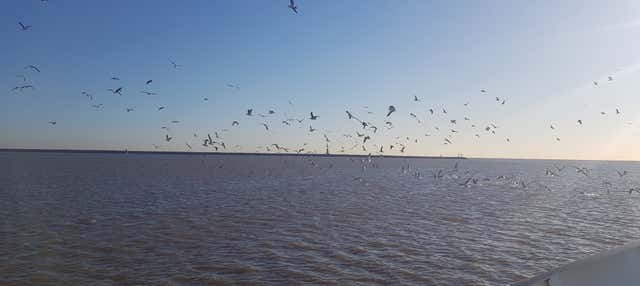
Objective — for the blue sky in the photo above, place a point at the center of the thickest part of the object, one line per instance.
(541, 56)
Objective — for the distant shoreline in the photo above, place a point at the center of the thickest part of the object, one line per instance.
(77, 151)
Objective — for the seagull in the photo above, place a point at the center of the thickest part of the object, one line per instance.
(150, 81)
(365, 139)
(175, 66)
(116, 91)
(87, 95)
(148, 92)
(161, 108)
(52, 122)
(235, 86)
(595, 83)
(391, 109)
(313, 117)
(557, 138)
(483, 90)
(167, 138)
(115, 78)
(23, 87)
(249, 112)
(33, 68)
(271, 111)
(617, 111)
(175, 121)
(128, 109)
(610, 78)
(415, 98)
(265, 126)
(603, 113)
(23, 27)
(431, 110)
(446, 140)
(444, 111)
(580, 121)
(311, 129)
(293, 7)
(235, 123)
(453, 121)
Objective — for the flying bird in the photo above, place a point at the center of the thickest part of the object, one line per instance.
(148, 92)
(32, 67)
(313, 117)
(24, 27)
(175, 66)
(116, 91)
(293, 7)
(115, 78)
(311, 129)
(167, 138)
(580, 121)
(391, 109)
(161, 108)
(150, 81)
(249, 112)
(265, 126)
(235, 123)
(52, 122)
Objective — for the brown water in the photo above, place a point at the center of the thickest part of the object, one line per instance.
(124, 219)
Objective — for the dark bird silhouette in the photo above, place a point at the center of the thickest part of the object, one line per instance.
(415, 98)
(32, 67)
(150, 81)
(265, 126)
(115, 78)
(365, 139)
(148, 92)
(249, 112)
(580, 121)
(167, 138)
(483, 90)
(53, 122)
(313, 117)
(128, 109)
(116, 91)
(431, 110)
(610, 78)
(161, 108)
(293, 7)
(24, 27)
(311, 129)
(391, 109)
(235, 123)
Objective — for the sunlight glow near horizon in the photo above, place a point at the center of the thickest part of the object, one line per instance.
(333, 56)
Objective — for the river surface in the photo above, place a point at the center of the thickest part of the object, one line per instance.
(142, 219)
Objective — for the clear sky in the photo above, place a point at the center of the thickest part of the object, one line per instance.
(540, 56)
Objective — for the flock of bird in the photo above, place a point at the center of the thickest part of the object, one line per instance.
(366, 126)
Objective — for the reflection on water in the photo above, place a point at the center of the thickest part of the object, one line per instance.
(218, 220)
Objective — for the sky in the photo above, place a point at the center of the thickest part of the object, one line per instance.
(540, 57)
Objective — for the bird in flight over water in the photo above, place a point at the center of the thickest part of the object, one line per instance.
(313, 116)
(293, 7)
